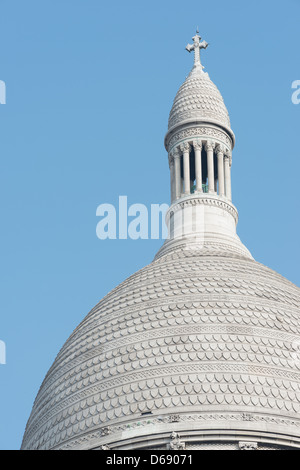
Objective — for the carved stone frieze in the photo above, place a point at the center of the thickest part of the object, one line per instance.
(174, 418)
(176, 443)
(105, 447)
(205, 200)
(243, 445)
(191, 133)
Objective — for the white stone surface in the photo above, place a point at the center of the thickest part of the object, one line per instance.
(198, 350)
(209, 338)
(198, 99)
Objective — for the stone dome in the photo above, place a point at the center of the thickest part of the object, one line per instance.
(201, 348)
(198, 99)
(204, 344)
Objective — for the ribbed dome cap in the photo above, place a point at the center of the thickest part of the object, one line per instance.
(198, 99)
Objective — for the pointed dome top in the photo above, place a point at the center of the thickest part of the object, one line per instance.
(198, 99)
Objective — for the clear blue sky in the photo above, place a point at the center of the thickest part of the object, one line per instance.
(89, 88)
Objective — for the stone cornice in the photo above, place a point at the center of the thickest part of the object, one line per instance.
(194, 129)
(204, 199)
(266, 428)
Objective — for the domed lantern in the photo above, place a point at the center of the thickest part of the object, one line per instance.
(199, 349)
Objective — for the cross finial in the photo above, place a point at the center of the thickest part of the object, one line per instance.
(196, 48)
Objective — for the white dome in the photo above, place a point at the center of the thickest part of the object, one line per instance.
(195, 343)
(198, 99)
(199, 349)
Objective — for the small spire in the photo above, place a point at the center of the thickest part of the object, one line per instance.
(196, 48)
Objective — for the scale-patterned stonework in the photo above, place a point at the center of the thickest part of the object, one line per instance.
(201, 348)
(191, 340)
(198, 99)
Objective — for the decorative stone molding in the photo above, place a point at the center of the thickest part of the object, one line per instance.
(209, 145)
(174, 418)
(105, 431)
(207, 249)
(196, 132)
(201, 419)
(105, 447)
(171, 161)
(197, 144)
(220, 149)
(228, 157)
(175, 153)
(176, 443)
(185, 147)
(247, 445)
(206, 200)
(189, 420)
(247, 417)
